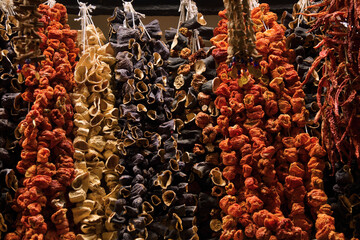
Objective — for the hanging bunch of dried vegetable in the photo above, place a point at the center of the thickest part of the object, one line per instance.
(152, 200)
(337, 98)
(308, 152)
(302, 42)
(27, 42)
(338, 109)
(12, 111)
(96, 120)
(46, 157)
(273, 169)
(192, 75)
(240, 32)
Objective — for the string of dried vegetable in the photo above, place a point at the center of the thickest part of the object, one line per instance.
(192, 75)
(303, 43)
(46, 157)
(337, 98)
(96, 156)
(12, 111)
(273, 168)
(152, 197)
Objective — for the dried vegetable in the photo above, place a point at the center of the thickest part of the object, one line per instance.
(12, 111)
(27, 42)
(96, 155)
(302, 42)
(274, 169)
(338, 98)
(47, 150)
(191, 74)
(152, 201)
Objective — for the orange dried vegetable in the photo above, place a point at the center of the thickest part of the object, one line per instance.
(266, 154)
(47, 150)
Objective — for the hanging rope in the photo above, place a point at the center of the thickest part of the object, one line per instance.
(188, 10)
(128, 7)
(8, 7)
(86, 20)
(303, 5)
(253, 4)
(51, 3)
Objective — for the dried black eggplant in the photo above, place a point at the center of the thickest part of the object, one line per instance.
(12, 110)
(303, 44)
(192, 76)
(152, 183)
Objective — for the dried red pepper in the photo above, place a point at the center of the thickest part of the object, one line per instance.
(47, 150)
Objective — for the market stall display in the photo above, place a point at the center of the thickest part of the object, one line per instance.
(249, 130)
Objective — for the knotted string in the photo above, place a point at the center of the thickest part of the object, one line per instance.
(253, 4)
(8, 7)
(188, 10)
(51, 3)
(128, 7)
(86, 20)
(303, 6)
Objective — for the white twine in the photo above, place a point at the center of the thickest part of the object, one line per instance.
(8, 7)
(86, 20)
(253, 4)
(128, 7)
(303, 5)
(188, 10)
(51, 3)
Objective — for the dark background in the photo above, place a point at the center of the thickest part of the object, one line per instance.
(164, 7)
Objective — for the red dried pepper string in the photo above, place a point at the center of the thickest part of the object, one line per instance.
(47, 149)
(270, 164)
(339, 23)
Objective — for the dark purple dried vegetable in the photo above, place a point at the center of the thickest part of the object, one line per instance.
(152, 202)
(12, 111)
(192, 76)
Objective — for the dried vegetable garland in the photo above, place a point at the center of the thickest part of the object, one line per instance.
(274, 170)
(46, 158)
(27, 43)
(192, 75)
(303, 43)
(338, 98)
(12, 111)
(165, 146)
(96, 156)
(153, 188)
(338, 110)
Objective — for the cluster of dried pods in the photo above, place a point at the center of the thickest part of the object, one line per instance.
(152, 197)
(47, 150)
(192, 75)
(273, 169)
(302, 42)
(169, 147)
(12, 111)
(96, 155)
(337, 98)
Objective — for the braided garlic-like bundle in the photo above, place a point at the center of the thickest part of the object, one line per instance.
(240, 30)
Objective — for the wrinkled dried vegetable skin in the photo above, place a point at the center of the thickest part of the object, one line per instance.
(12, 111)
(302, 43)
(152, 197)
(192, 75)
(96, 157)
(270, 164)
(27, 42)
(338, 98)
(47, 150)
